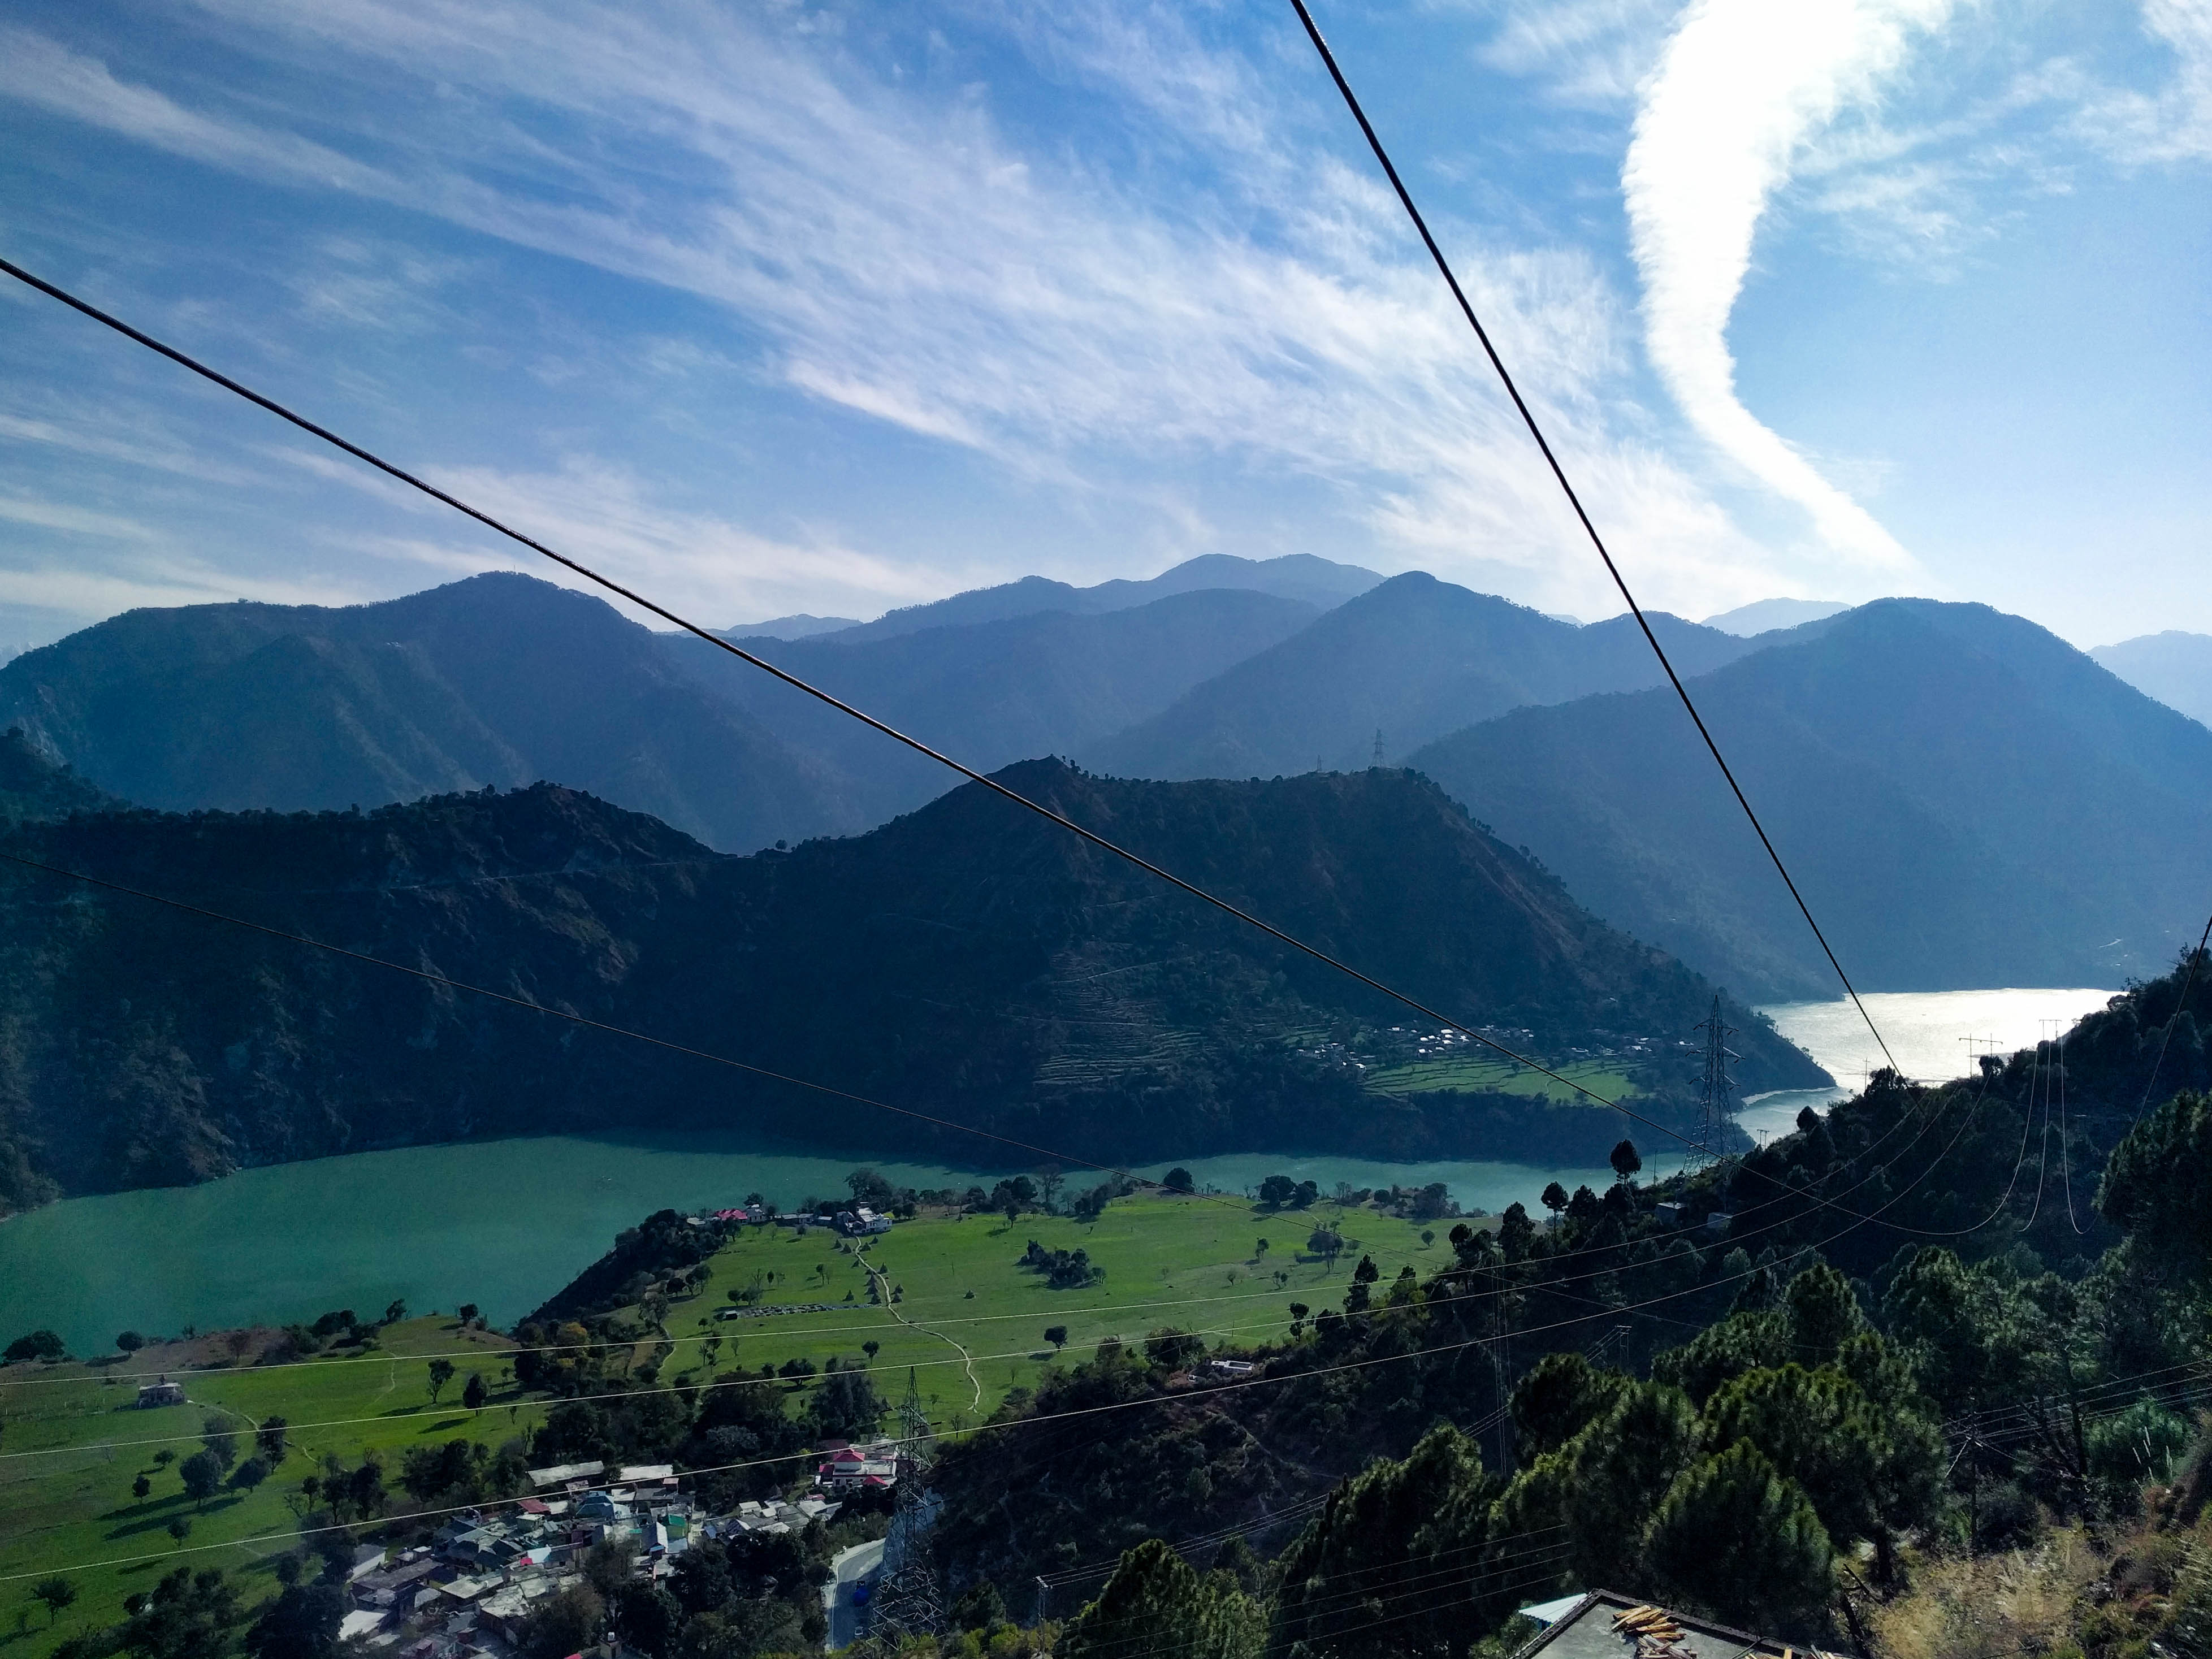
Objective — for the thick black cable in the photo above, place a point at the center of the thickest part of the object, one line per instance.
(1535, 431)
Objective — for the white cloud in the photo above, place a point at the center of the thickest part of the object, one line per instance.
(704, 565)
(1594, 53)
(2175, 123)
(903, 259)
(1741, 89)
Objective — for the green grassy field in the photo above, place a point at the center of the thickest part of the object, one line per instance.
(1472, 1074)
(971, 1324)
(60, 1508)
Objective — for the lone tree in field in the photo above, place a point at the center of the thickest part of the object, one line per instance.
(203, 1475)
(1626, 1162)
(473, 1392)
(269, 1440)
(871, 1349)
(441, 1372)
(1057, 1335)
(56, 1593)
(1326, 1243)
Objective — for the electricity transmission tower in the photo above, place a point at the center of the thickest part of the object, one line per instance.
(1717, 1098)
(907, 1600)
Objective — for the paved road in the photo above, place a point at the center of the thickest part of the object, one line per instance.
(854, 1567)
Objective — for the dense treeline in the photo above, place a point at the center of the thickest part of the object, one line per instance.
(970, 961)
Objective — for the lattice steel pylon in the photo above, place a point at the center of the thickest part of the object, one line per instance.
(908, 1601)
(1716, 1098)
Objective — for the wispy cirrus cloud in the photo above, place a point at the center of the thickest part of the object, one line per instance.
(896, 253)
(1740, 89)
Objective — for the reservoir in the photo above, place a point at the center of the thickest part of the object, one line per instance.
(504, 1223)
(1932, 1034)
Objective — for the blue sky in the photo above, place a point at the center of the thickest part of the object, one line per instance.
(792, 306)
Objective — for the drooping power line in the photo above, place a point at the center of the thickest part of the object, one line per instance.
(1535, 431)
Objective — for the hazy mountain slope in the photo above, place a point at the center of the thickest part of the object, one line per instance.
(1301, 576)
(1413, 658)
(969, 961)
(1964, 800)
(1763, 615)
(797, 627)
(993, 692)
(2174, 667)
(501, 679)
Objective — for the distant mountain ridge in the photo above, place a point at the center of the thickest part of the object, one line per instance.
(2174, 667)
(800, 626)
(1964, 799)
(969, 961)
(990, 692)
(1412, 659)
(498, 680)
(1304, 577)
(1764, 616)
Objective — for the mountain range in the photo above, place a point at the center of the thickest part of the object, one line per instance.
(1405, 662)
(1969, 800)
(1963, 799)
(1318, 582)
(968, 961)
(495, 681)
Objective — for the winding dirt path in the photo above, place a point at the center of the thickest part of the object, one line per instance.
(967, 1360)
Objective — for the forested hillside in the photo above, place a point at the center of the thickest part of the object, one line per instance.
(969, 960)
(1964, 799)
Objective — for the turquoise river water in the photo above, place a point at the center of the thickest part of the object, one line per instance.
(504, 1223)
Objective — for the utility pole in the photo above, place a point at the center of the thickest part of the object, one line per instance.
(1716, 1098)
(907, 1600)
(1378, 745)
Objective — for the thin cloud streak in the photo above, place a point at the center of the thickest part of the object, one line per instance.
(1742, 87)
(902, 260)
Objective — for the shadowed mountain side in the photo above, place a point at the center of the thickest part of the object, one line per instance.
(32, 787)
(501, 679)
(1964, 800)
(1318, 582)
(1414, 659)
(969, 961)
(2174, 667)
(991, 693)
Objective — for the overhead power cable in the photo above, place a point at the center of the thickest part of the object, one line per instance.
(1535, 431)
(972, 774)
